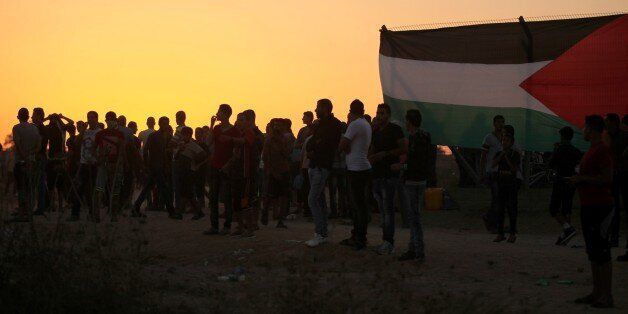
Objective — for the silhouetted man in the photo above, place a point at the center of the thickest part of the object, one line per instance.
(321, 149)
(156, 158)
(388, 144)
(355, 142)
(87, 169)
(221, 140)
(491, 145)
(596, 199)
(27, 140)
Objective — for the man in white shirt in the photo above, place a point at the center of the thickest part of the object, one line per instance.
(491, 145)
(143, 136)
(355, 143)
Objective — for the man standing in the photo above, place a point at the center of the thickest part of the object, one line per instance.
(156, 158)
(87, 169)
(111, 145)
(416, 173)
(143, 136)
(26, 139)
(596, 200)
(221, 140)
(624, 179)
(321, 149)
(617, 141)
(564, 161)
(40, 164)
(491, 145)
(276, 157)
(355, 143)
(388, 144)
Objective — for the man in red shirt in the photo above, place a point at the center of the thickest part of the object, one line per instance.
(221, 140)
(597, 210)
(110, 145)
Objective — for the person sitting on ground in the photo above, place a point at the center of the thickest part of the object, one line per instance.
(564, 161)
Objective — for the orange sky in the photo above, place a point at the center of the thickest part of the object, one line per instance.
(154, 57)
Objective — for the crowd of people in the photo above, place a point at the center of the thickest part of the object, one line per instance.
(333, 168)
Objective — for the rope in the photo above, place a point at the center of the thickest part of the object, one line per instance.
(431, 26)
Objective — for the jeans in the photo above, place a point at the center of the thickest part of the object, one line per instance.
(84, 193)
(220, 184)
(620, 194)
(316, 198)
(42, 187)
(360, 212)
(158, 178)
(384, 192)
(25, 187)
(507, 200)
(337, 191)
(492, 216)
(415, 193)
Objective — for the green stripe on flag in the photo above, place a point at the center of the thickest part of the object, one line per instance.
(466, 126)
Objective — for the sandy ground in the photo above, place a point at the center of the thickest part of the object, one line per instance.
(465, 272)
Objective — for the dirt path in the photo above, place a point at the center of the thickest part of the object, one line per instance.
(464, 271)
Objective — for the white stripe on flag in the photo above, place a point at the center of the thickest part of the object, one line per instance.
(469, 84)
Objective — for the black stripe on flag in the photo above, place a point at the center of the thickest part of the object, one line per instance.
(503, 43)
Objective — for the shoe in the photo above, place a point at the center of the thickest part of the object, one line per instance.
(316, 241)
(566, 236)
(19, 219)
(248, 234)
(499, 238)
(198, 215)
(348, 242)
(407, 256)
(623, 258)
(614, 242)
(385, 248)
(237, 232)
(137, 214)
(72, 218)
(225, 231)
(211, 231)
(281, 225)
(512, 238)
(175, 216)
(604, 303)
(411, 256)
(589, 299)
(355, 244)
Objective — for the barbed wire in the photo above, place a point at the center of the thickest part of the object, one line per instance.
(429, 26)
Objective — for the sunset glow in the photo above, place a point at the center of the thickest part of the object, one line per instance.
(142, 58)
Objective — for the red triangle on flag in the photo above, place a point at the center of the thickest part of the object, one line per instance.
(589, 78)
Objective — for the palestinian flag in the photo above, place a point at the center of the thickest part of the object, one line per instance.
(539, 75)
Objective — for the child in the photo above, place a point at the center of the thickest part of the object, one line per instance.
(507, 162)
(564, 161)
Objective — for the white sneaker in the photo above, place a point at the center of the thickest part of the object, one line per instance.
(318, 240)
(385, 248)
